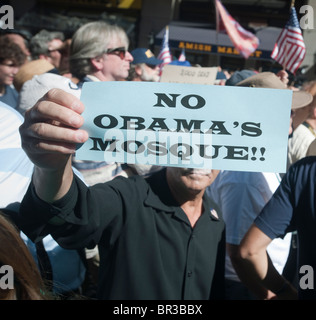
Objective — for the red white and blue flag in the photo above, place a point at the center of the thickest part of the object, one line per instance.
(289, 50)
(182, 56)
(164, 53)
(244, 41)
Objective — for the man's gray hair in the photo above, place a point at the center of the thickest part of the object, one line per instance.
(90, 41)
(39, 43)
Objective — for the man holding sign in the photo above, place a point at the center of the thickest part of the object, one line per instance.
(159, 238)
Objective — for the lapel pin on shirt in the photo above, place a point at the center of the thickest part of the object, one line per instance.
(214, 213)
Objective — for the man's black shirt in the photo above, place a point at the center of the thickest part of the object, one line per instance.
(147, 247)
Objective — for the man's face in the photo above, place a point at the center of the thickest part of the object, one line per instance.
(192, 181)
(54, 56)
(148, 72)
(117, 63)
(7, 72)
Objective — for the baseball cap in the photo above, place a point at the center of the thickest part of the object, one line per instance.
(143, 55)
(270, 80)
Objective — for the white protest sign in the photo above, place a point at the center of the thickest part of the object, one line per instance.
(186, 125)
(180, 74)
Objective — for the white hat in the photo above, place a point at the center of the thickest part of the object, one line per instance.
(34, 89)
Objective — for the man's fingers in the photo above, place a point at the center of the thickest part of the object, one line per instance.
(47, 111)
(57, 106)
(41, 146)
(65, 99)
(47, 131)
(45, 137)
(53, 124)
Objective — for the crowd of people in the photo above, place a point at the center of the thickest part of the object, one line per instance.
(108, 230)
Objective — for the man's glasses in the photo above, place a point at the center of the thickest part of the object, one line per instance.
(152, 66)
(121, 52)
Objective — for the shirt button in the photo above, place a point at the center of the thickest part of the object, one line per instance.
(190, 274)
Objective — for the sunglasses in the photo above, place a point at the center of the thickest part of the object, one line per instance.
(120, 52)
(152, 66)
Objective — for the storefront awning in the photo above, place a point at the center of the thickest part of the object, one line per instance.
(202, 40)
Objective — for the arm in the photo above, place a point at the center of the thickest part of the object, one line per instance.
(49, 136)
(57, 202)
(254, 265)
(255, 287)
(242, 197)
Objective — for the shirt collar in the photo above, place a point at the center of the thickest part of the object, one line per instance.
(93, 78)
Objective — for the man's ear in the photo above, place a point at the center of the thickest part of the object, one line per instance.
(97, 63)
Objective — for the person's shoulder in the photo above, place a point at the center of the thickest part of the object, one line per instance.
(303, 170)
(306, 162)
(137, 185)
(12, 91)
(125, 183)
(301, 129)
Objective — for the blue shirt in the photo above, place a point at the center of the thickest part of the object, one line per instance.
(292, 208)
(10, 97)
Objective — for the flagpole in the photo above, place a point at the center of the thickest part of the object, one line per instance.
(217, 26)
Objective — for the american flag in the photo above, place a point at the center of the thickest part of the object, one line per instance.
(244, 41)
(182, 56)
(165, 54)
(289, 49)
